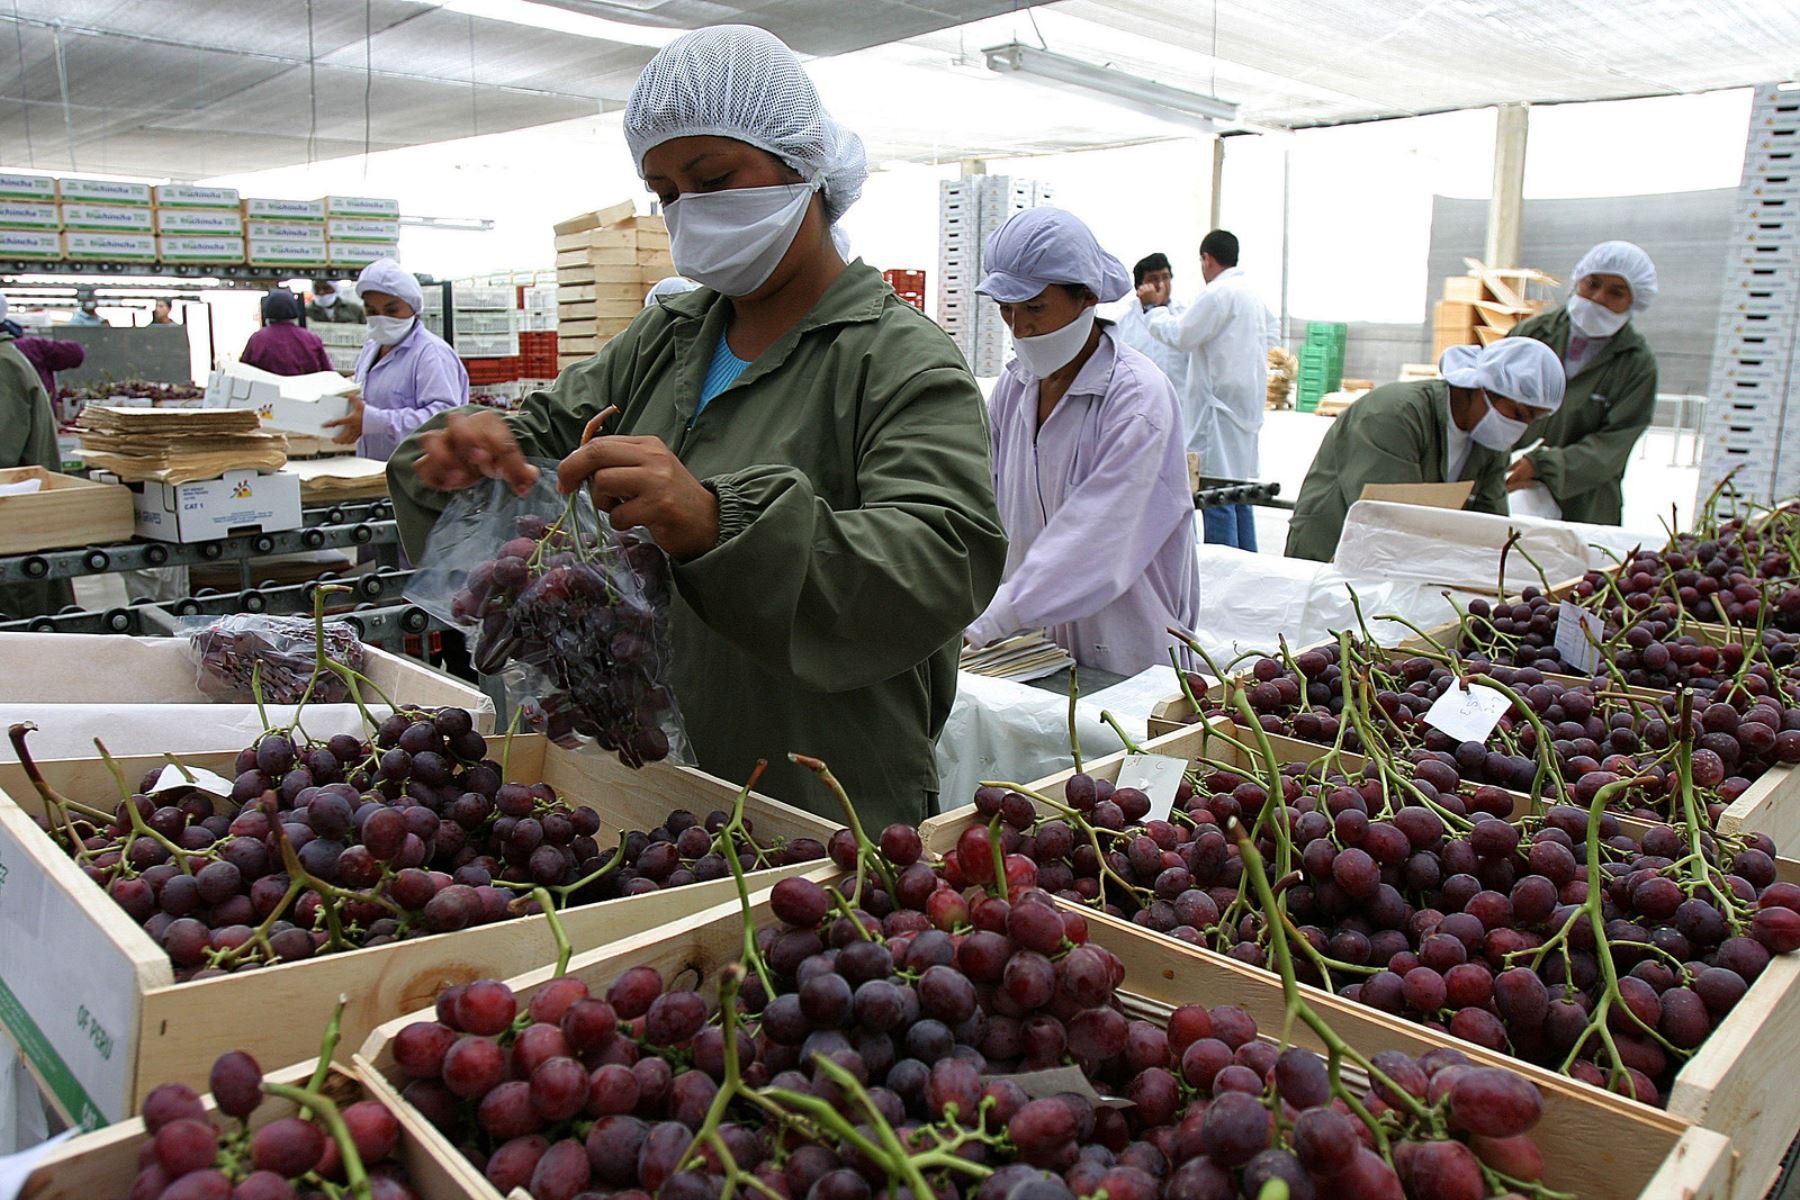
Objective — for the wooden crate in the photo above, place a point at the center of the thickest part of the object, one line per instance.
(91, 1000)
(1731, 1086)
(1593, 1144)
(104, 1162)
(64, 513)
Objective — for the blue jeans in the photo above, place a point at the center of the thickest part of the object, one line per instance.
(1230, 525)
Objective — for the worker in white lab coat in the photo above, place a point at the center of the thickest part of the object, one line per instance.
(1154, 278)
(1227, 334)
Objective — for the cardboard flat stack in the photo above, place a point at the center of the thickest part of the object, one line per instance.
(1483, 306)
(606, 262)
(177, 445)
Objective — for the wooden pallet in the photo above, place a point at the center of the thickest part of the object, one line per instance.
(90, 998)
(1593, 1144)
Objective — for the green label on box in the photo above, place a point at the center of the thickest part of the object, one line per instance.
(70, 1095)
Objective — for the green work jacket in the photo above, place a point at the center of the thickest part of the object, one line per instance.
(1605, 409)
(1395, 434)
(27, 439)
(858, 534)
(345, 312)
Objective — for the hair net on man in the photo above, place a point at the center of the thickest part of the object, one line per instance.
(1044, 246)
(741, 82)
(1520, 368)
(386, 275)
(1625, 260)
(280, 305)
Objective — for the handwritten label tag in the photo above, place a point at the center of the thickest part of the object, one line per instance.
(1468, 716)
(1157, 776)
(1041, 1085)
(203, 781)
(1578, 636)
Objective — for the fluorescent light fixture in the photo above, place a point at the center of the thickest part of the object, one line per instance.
(562, 20)
(1128, 91)
(459, 224)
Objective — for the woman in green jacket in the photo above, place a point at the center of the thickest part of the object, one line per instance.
(1430, 431)
(27, 439)
(1612, 386)
(811, 452)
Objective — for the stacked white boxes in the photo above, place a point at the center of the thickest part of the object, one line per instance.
(486, 320)
(1753, 350)
(343, 343)
(970, 209)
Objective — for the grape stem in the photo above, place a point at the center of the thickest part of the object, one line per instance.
(865, 849)
(563, 948)
(354, 1175)
(1074, 737)
(327, 1047)
(138, 825)
(728, 844)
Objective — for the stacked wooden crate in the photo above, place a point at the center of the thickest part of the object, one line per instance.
(606, 262)
(1483, 305)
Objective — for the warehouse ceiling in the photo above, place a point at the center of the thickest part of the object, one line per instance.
(200, 88)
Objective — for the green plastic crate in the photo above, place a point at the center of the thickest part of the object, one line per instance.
(1326, 333)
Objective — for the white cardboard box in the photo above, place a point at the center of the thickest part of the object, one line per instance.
(206, 222)
(103, 191)
(187, 195)
(363, 229)
(28, 214)
(185, 249)
(361, 206)
(245, 501)
(26, 243)
(263, 208)
(286, 252)
(106, 218)
(289, 403)
(286, 231)
(114, 247)
(355, 254)
(17, 186)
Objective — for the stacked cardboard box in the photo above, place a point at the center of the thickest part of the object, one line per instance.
(1483, 305)
(198, 224)
(285, 233)
(360, 229)
(606, 262)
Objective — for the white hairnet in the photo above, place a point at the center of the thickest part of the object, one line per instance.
(741, 82)
(2, 306)
(674, 285)
(1520, 368)
(386, 275)
(1625, 260)
(1045, 245)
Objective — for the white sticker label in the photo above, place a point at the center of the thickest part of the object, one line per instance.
(1578, 636)
(1468, 716)
(1041, 1085)
(197, 778)
(1157, 776)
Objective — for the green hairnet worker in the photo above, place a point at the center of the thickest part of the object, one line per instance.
(1611, 393)
(810, 451)
(1430, 431)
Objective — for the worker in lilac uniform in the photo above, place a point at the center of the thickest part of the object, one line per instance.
(1090, 461)
(407, 374)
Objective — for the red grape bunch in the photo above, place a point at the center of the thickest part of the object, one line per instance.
(589, 611)
(191, 1155)
(231, 649)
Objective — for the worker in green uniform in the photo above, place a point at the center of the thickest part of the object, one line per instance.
(329, 306)
(27, 439)
(1428, 431)
(1611, 386)
(811, 451)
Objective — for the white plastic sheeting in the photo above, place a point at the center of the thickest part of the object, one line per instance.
(1451, 548)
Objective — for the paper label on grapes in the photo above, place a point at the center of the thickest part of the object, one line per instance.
(1041, 1085)
(1468, 715)
(1578, 637)
(198, 778)
(1157, 776)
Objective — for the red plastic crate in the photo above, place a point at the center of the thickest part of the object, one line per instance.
(908, 285)
(492, 370)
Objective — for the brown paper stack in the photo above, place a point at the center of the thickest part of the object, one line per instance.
(606, 262)
(177, 445)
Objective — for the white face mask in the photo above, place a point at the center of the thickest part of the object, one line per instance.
(1595, 320)
(732, 241)
(1048, 353)
(325, 300)
(390, 331)
(1495, 431)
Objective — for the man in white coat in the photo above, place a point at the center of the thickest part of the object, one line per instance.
(1227, 333)
(1153, 278)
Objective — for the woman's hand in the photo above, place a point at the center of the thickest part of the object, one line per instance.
(470, 448)
(1522, 475)
(639, 481)
(349, 426)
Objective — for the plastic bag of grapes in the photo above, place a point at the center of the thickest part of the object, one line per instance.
(228, 650)
(570, 613)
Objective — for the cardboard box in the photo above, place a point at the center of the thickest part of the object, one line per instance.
(611, 215)
(25, 243)
(17, 186)
(107, 218)
(28, 214)
(187, 195)
(65, 512)
(200, 249)
(206, 222)
(238, 502)
(117, 247)
(1453, 314)
(286, 231)
(361, 206)
(362, 229)
(291, 404)
(259, 208)
(1464, 288)
(286, 252)
(355, 254)
(103, 191)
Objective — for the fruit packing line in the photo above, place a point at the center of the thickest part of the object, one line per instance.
(373, 623)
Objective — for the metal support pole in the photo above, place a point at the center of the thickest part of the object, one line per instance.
(1506, 208)
(1287, 235)
(1218, 181)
